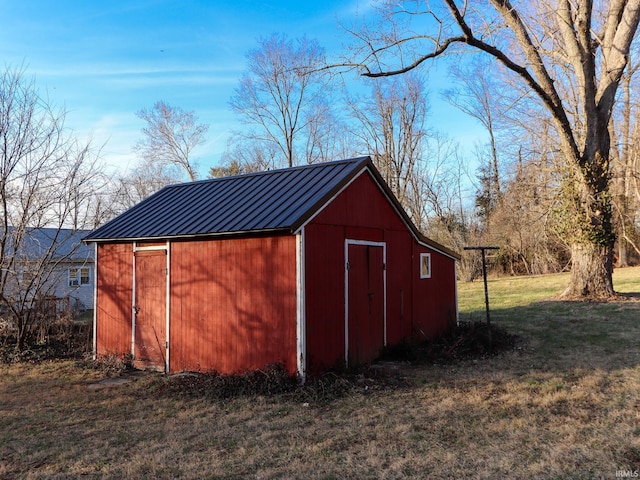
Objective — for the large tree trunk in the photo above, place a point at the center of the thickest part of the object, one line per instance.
(592, 237)
(591, 269)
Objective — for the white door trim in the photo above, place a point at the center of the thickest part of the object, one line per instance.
(347, 242)
(146, 248)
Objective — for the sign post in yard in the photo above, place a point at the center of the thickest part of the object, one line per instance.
(486, 289)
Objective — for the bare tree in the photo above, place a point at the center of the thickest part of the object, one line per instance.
(440, 189)
(327, 136)
(169, 137)
(47, 179)
(524, 224)
(438, 184)
(283, 99)
(478, 97)
(626, 169)
(390, 125)
(133, 187)
(571, 55)
(423, 168)
(517, 180)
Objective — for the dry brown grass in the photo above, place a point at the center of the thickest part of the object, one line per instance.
(558, 408)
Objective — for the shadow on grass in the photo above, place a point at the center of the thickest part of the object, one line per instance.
(550, 336)
(568, 335)
(467, 341)
(630, 296)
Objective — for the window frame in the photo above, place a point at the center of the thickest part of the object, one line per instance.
(425, 265)
(75, 277)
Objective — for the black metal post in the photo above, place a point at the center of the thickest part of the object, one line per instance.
(486, 288)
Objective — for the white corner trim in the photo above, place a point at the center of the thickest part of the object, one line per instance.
(301, 333)
(95, 303)
(455, 282)
(133, 303)
(168, 308)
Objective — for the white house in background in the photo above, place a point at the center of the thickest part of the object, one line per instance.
(66, 262)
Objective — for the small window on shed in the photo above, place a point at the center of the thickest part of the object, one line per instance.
(425, 265)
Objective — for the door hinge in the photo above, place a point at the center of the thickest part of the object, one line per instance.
(348, 266)
(384, 266)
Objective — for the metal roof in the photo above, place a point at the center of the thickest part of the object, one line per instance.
(256, 202)
(53, 243)
(276, 200)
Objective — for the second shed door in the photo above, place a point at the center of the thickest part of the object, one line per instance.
(150, 309)
(365, 312)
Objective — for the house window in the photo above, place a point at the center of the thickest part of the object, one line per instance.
(425, 265)
(78, 276)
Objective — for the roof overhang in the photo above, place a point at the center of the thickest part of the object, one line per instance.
(200, 236)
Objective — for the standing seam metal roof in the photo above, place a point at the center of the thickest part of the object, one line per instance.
(277, 200)
(264, 201)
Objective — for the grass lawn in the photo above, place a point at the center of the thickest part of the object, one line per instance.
(565, 404)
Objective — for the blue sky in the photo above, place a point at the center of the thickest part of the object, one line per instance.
(104, 60)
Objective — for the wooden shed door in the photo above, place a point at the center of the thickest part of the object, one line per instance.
(366, 303)
(150, 309)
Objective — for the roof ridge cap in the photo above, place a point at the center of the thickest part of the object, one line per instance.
(269, 172)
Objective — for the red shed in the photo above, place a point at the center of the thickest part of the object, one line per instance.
(313, 267)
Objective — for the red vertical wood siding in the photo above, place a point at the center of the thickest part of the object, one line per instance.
(324, 287)
(362, 212)
(434, 298)
(233, 304)
(399, 285)
(114, 298)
